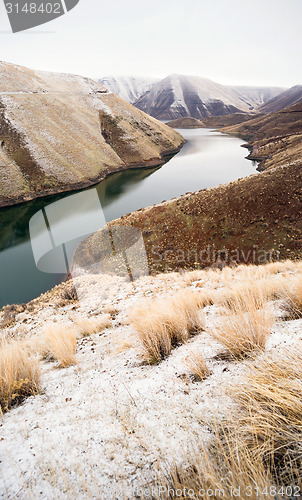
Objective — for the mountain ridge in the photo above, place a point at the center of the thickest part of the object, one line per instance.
(285, 99)
(179, 96)
(61, 132)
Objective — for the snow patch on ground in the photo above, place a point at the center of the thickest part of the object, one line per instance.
(98, 428)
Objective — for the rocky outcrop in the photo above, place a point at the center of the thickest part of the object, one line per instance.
(62, 132)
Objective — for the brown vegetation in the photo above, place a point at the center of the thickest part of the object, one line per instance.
(275, 138)
(165, 323)
(255, 219)
(19, 374)
(58, 342)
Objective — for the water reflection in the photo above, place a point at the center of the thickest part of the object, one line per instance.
(207, 159)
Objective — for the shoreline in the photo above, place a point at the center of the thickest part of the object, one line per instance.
(90, 183)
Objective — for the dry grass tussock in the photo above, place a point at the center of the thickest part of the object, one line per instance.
(292, 295)
(245, 329)
(249, 294)
(191, 276)
(196, 364)
(216, 471)
(57, 342)
(19, 374)
(254, 272)
(88, 326)
(258, 452)
(165, 323)
(269, 421)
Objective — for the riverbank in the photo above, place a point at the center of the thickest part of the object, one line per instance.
(239, 222)
(274, 139)
(79, 186)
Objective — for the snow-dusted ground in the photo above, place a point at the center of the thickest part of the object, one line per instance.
(99, 428)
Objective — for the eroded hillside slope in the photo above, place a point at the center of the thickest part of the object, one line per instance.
(62, 132)
(254, 219)
(275, 138)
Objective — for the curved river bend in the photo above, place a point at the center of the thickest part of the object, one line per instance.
(206, 160)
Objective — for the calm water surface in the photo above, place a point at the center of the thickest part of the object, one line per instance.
(206, 160)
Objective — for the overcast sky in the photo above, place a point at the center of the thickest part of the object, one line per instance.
(252, 42)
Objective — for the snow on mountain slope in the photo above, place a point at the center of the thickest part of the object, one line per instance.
(128, 88)
(178, 96)
(255, 96)
(287, 98)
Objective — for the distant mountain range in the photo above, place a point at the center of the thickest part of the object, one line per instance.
(283, 100)
(178, 96)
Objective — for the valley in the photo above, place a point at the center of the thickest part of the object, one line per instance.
(167, 357)
(178, 96)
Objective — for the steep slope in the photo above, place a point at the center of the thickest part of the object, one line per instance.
(255, 96)
(129, 88)
(179, 96)
(254, 219)
(64, 132)
(274, 139)
(283, 100)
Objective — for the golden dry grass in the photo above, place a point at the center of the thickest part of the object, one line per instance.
(245, 329)
(196, 364)
(216, 471)
(191, 276)
(248, 293)
(19, 374)
(257, 451)
(269, 422)
(163, 324)
(292, 295)
(58, 342)
(88, 326)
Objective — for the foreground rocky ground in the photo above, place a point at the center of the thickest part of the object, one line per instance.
(111, 425)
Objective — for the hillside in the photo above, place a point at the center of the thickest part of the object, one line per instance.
(274, 139)
(128, 88)
(212, 121)
(187, 122)
(105, 419)
(283, 100)
(178, 96)
(62, 132)
(227, 120)
(249, 220)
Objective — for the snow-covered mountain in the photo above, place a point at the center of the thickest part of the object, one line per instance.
(128, 88)
(178, 96)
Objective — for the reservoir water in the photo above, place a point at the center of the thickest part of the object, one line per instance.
(207, 159)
